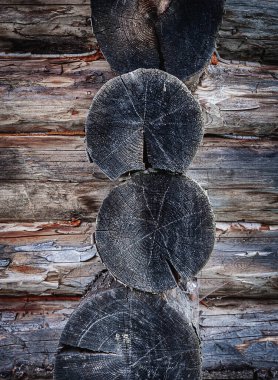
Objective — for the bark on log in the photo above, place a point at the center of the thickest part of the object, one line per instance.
(59, 258)
(64, 27)
(122, 334)
(48, 177)
(238, 334)
(54, 95)
(143, 119)
(157, 34)
(155, 229)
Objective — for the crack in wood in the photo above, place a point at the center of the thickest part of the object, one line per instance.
(68, 349)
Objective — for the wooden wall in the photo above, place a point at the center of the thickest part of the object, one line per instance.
(50, 194)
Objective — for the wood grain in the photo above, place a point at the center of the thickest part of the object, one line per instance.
(152, 34)
(49, 177)
(120, 334)
(143, 119)
(60, 258)
(54, 95)
(155, 229)
(46, 28)
(248, 31)
(238, 334)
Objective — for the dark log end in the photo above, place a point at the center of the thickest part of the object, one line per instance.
(176, 36)
(119, 334)
(143, 119)
(155, 229)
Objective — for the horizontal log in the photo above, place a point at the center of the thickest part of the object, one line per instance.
(248, 32)
(236, 334)
(49, 178)
(235, 331)
(60, 258)
(54, 95)
(46, 28)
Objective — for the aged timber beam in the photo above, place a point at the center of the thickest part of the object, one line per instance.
(236, 98)
(174, 36)
(47, 27)
(59, 258)
(240, 176)
(155, 123)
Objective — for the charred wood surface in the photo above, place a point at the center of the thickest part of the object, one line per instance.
(54, 95)
(155, 229)
(143, 119)
(248, 31)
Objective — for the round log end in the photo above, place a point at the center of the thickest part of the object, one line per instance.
(177, 36)
(155, 229)
(119, 334)
(146, 118)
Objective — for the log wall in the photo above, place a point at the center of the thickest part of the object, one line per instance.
(50, 194)
(248, 32)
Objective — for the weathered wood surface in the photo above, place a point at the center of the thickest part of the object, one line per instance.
(157, 34)
(46, 27)
(119, 333)
(143, 119)
(248, 31)
(48, 177)
(59, 258)
(155, 229)
(54, 95)
(239, 335)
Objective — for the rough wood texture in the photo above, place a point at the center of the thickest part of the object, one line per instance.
(48, 177)
(46, 27)
(155, 229)
(54, 95)
(59, 258)
(157, 34)
(123, 334)
(235, 333)
(248, 31)
(143, 119)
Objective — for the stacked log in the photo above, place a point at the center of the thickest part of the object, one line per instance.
(157, 229)
(47, 256)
